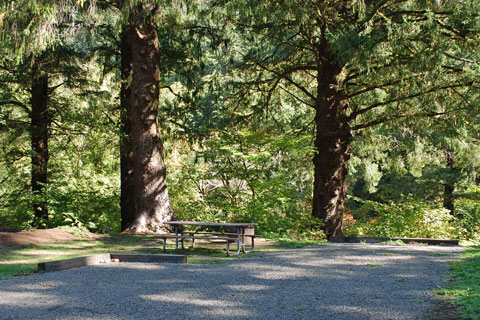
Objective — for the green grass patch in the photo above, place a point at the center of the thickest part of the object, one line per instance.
(401, 280)
(437, 255)
(464, 289)
(23, 260)
(296, 244)
(10, 271)
(415, 301)
(394, 242)
(374, 265)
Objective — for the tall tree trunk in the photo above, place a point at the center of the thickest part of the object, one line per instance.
(151, 196)
(39, 123)
(449, 187)
(332, 140)
(127, 196)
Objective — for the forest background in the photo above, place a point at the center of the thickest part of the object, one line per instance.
(310, 118)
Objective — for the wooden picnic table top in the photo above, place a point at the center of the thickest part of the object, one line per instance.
(211, 224)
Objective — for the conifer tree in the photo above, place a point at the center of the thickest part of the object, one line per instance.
(23, 22)
(144, 197)
(357, 64)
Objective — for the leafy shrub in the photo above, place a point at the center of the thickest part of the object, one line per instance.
(468, 219)
(92, 206)
(250, 176)
(406, 219)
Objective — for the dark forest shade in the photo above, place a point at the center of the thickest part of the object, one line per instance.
(449, 187)
(332, 139)
(39, 137)
(127, 196)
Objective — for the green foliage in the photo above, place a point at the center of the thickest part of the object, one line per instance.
(83, 177)
(246, 176)
(412, 217)
(238, 85)
(468, 218)
(464, 290)
(405, 219)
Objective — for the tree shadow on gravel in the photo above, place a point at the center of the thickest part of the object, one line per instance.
(322, 282)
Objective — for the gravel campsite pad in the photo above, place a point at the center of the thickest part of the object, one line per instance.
(329, 281)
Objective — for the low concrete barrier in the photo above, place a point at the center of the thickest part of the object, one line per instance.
(150, 258)
(406, 240)
(108, 257)
(74, 263)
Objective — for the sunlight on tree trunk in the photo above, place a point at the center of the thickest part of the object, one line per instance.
(151, 195)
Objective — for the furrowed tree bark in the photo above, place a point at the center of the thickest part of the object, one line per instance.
(127, 195)
(39, 123)
(332, 140)
(152, 205)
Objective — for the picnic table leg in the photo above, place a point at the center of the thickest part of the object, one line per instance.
(228, 249)
(252, 247)
(176, 238)
(243, 239)
(238, 245)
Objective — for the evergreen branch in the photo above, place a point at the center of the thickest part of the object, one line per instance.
(403, 115)
(115, 123)
(373, 13)
(423, 12)
(3, 67)
(299, 99)
(458, 58)
(368, 89)
(52, 89)
(16, 103)
(396, 61)
(284, 76)
(10, 81)
(355, 114)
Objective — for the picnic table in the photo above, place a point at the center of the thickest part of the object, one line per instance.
(229, 237)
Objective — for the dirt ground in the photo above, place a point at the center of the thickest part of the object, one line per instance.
(39, 236)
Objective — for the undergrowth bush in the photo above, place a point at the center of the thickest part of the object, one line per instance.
(468, 219)
(406, 219)
(413, 219)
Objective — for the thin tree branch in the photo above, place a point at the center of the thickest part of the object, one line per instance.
(16, 103)
(299, 99)
(355, 114)
(288, 79)
(404, 115)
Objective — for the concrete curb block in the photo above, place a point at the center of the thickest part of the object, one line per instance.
(406, 240)
(74, 263)
(108, 257)
(150, 258)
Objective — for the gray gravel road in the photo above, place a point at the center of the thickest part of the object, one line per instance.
(330, 281)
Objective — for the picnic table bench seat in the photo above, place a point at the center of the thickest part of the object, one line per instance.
(221, 233)
(205, 235)
(236, 234)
